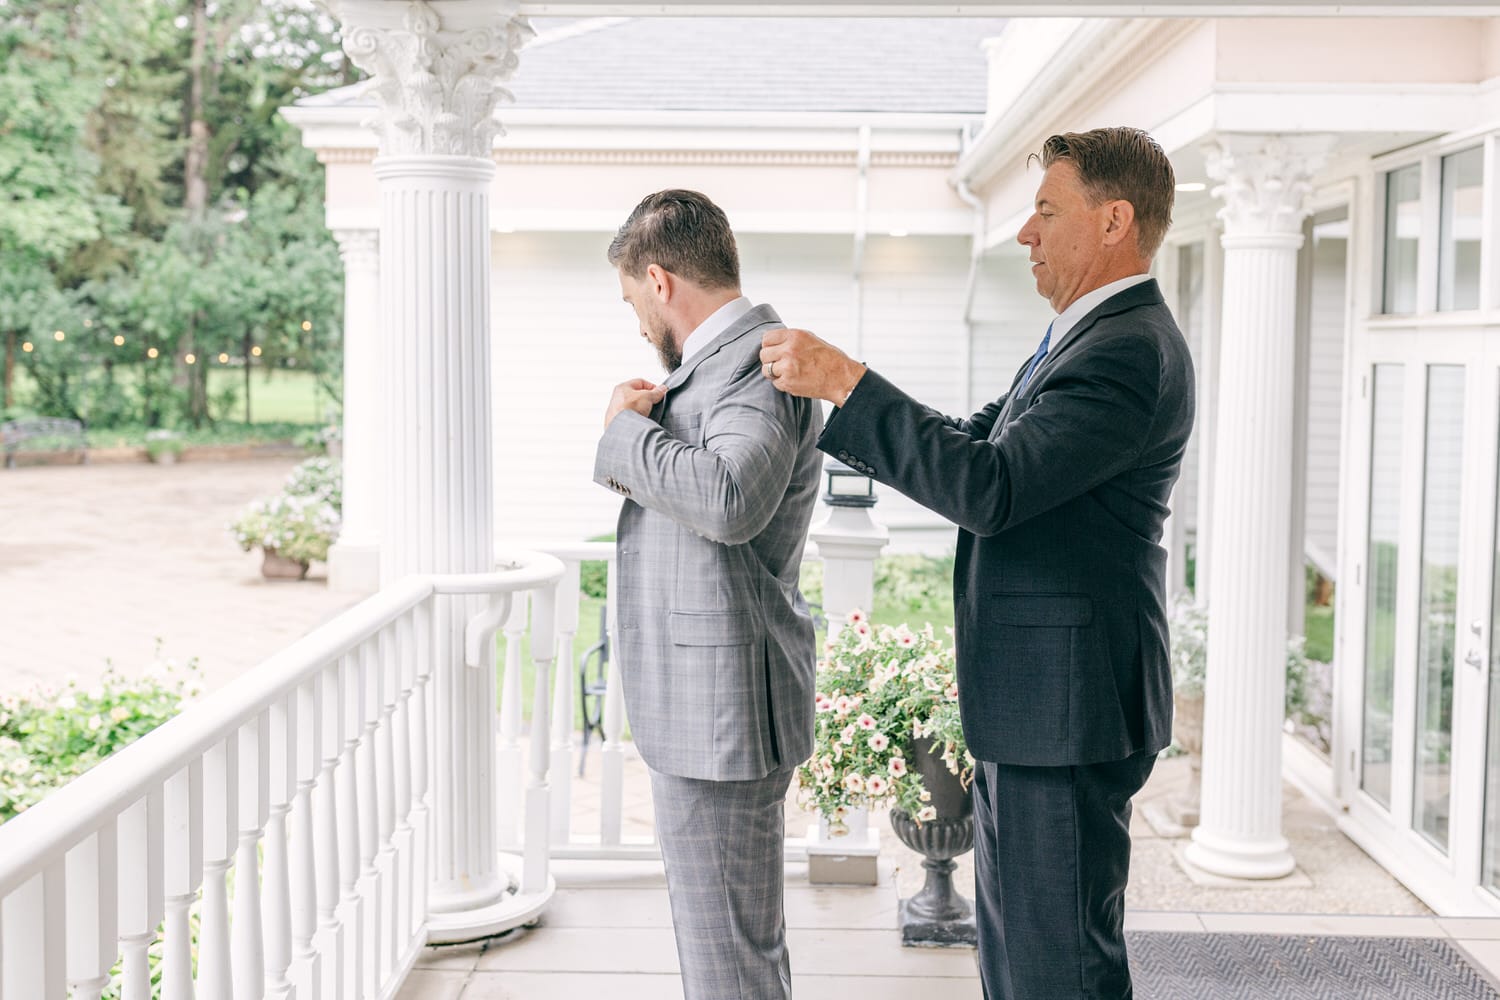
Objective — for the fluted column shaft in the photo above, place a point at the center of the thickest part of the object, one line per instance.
(354, 561)
(1265, 185)
(436, 78)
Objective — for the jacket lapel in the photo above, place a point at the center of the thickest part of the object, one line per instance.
(1144, 294)
(759, 316)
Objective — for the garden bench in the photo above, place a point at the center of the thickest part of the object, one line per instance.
(43, 434)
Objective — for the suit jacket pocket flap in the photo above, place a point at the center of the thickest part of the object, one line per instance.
(1039, 610)
(710, 628)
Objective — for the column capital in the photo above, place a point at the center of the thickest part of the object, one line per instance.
(1265, 181)
(436, 70)
(359, 248)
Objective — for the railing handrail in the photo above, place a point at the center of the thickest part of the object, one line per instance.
(67, 816)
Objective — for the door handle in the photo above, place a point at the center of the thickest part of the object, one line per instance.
(1474, 659)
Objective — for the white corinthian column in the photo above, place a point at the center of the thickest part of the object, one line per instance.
(436, 72)
(354, 560)
(1265, 183)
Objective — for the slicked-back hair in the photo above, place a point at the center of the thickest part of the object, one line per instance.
(681, 232)
(1121, 164)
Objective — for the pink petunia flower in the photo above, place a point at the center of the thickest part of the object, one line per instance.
(926, 813)
(866, 722)
(856, 784)
(897, 767)
(877, 785)
(879, 742)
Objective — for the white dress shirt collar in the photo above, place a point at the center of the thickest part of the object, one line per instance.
(1069, 317)
(720, 320)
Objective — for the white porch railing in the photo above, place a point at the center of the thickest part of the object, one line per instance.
(313, 799)
(298, 796)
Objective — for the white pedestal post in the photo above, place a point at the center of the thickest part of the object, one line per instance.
(354, 560)
(848, 541)
(437, 81)
(1265, 181)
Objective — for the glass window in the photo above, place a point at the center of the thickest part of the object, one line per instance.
(1491, 859)
(1380, 595)
(1462, 223)
(1436, 623)
(1403, 221)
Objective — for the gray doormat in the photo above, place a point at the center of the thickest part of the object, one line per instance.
(1171, 966)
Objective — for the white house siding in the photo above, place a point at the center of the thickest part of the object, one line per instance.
(1325, 394)
(563, 339)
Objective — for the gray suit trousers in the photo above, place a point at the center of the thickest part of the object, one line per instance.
(722, 845)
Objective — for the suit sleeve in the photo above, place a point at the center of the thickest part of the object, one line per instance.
(1089, 422)
(728, 489)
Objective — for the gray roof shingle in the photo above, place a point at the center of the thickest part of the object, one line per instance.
(757, 64)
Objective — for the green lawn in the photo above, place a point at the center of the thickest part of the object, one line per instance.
(277, 395)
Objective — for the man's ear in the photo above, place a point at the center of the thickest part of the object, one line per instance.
(660, 283)
(1119, 221)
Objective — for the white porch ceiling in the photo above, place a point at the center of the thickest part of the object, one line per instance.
(1054, 8)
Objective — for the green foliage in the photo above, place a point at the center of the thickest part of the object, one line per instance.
(52, 736)
(908, 583)
(302, 521)
(880, 690)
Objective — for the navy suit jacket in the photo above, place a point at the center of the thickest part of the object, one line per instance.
(1060, 491)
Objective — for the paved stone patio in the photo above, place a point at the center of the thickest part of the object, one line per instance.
(96, 562)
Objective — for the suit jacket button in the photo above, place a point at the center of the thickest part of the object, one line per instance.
(843, 456)
(871, 471)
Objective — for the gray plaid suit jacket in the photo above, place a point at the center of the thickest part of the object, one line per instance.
(715, 641)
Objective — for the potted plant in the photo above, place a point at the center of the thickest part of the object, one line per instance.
(163, 446)
(887, 730)
(298, 525)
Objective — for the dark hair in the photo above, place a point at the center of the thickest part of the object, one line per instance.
(683, 233)
(1122, 164)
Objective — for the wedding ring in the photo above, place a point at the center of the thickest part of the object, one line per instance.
(769, 370)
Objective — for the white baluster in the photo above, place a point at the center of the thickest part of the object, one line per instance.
(509, 760)
(331, 824)
(421, 819)
(92, 912)
(281, 786)
(307, 966)
(351, 908)
(612, 752)
(220, 832)
(386, 796)
(247, 946)
(562, 703)
(538, 809)
(402, 672)
(182, 856)
(446, 732)
(33, 962)
(366, 757)
(140, 892)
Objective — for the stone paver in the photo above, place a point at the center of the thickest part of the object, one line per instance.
(99, 561)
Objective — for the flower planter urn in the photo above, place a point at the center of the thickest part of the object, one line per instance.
(938, 916)
(275, 566)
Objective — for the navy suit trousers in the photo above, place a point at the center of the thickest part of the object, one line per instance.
(1052, 856)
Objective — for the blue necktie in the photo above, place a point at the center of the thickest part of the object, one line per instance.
(1036, 359)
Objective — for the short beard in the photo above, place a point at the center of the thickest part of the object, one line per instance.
(668, 351)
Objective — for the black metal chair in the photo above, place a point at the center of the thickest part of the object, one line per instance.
(591, 692)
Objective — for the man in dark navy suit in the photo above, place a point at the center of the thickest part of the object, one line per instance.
(1060, 490)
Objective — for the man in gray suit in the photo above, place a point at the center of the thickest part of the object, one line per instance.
(719, 472)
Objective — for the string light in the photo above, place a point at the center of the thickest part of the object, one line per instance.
(191, 359)
(223, 359)
(153, 352)
(306, 325)
(88, 323)
(255, 350)
(28, 347)
(59, 336)
(119, 340)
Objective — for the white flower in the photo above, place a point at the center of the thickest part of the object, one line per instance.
(926, 813)
(854, 783)
(119, 713)
(924, 795)
(877, 785)
(67, 702)
(866, 722)
(858, 617)
(897, 767)
(823, 703)
(847, 736)
(879, 742)
(952, 691)
(19, 766)
(863, 631)
(95, 722)
(842, 704)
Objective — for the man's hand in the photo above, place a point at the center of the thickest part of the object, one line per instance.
(799, 363)
(637, 394)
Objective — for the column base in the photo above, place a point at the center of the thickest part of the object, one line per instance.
(511, 910)
(354, 569)
(1233, 857)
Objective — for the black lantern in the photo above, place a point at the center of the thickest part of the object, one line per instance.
(847, 487)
